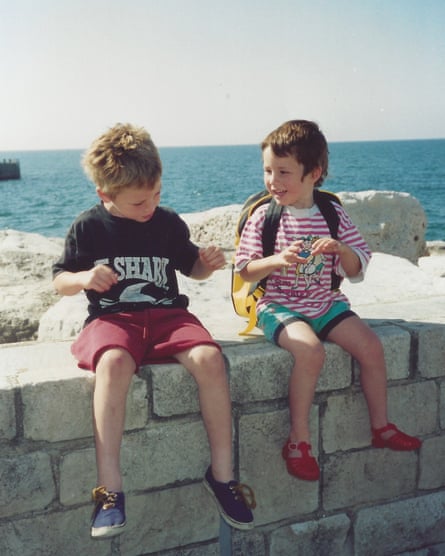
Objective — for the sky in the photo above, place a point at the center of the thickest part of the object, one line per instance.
(205, 72)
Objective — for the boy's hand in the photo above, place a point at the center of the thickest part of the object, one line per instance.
(327, 245)
(212, 257)
(100, 278)
(292, 254)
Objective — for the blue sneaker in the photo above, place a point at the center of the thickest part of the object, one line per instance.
(233, 500)
(108, 519)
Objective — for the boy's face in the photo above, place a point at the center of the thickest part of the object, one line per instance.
(134, 203)
(283, 178)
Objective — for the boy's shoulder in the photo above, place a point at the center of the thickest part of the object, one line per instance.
(95, 212)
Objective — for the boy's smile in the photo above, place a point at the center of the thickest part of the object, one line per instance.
(283, 177)
(134, 203)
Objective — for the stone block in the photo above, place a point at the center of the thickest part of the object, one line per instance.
(246, 543)
(278, 494)
(345, 422)
(396, 343)
(414, 407)
(25, 356)
(329, 535)
(397, 348)
(263, 373)
(174, 390)
(259, 373)
(430, 550)
(51, 534)
(442, 405)
(208, 549)
(336, 373)
(432, 470)
(418, 522)
(367, 476)
(160, 455)
(431, 360)
(27, 483)
(7, 409)
(169, 518)
(138, 405)
(55, 409)
(163, 454)
(77, 471)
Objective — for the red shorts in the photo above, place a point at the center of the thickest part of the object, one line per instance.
(150, 336)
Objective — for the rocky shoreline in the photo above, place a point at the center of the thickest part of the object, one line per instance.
(404, 266)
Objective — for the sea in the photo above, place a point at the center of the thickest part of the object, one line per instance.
(53, 188)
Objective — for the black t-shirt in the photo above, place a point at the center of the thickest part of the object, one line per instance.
(144, 255)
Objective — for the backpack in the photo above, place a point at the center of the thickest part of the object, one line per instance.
(246, 294)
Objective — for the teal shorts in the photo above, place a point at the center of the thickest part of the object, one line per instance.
(273, 318)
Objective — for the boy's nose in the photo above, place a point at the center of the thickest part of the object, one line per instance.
(272, 179)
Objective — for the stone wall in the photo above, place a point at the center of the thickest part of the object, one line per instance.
(368, 501)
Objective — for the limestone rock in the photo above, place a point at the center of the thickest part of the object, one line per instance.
(392, 223)
(25, 281)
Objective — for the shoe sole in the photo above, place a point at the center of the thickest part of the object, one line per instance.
(99, 533)
(230, 521)
(384, 444)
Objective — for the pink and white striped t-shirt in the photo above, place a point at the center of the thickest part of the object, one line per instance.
(305, 288)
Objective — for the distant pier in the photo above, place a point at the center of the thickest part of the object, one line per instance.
(9, 169)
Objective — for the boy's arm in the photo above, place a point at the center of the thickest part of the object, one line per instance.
(210, 259)
(257, 269)
(100, 278)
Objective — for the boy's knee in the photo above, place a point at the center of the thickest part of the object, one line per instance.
(209, 356)
(116, 360)
(373, 347)
(205, 362)
(312, 355)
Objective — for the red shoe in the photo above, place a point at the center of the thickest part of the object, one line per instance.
(304, 467)
(398, 441)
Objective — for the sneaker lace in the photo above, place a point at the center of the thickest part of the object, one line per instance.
(246, 493)
(103, 498)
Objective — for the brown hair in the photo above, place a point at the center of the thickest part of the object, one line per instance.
(303, 140)
(123, 156)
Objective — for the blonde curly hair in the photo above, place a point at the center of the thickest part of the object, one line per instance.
(124, 156)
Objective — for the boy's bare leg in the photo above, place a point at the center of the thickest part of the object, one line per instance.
(206, 364)
(308, 353)
(355, 336)
(114, 372)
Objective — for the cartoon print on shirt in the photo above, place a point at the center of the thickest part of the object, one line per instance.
(311, 269)
(135, 294)
(152, 271)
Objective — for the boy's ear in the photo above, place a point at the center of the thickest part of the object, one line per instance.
(103, 196)
(316, 173)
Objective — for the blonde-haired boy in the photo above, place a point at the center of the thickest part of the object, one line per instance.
(124, 252)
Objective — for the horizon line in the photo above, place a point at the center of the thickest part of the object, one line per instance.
(218, 145)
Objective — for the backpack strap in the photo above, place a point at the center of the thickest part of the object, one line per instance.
(268, 237)
(270, 229)
(324, 201)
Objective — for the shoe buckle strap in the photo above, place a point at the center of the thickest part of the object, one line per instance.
(246, 494)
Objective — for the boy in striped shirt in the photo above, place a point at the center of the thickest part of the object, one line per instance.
(299, 308)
